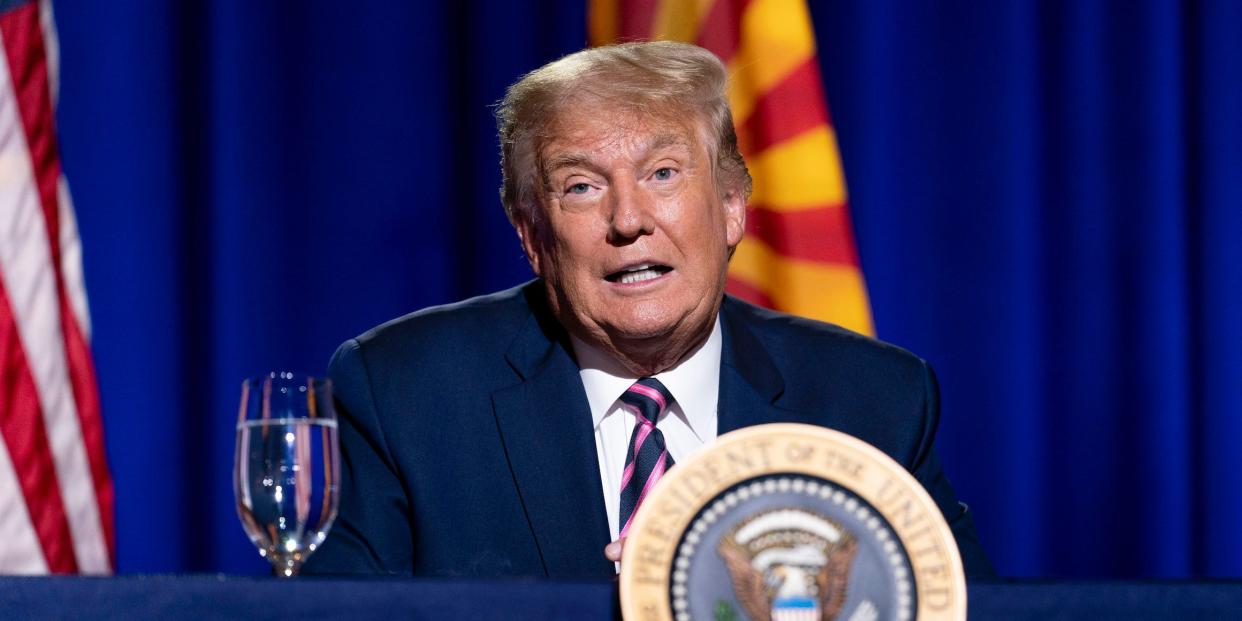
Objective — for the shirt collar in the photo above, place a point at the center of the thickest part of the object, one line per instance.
(694, 383)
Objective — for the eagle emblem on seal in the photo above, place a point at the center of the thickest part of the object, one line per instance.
(789, 565)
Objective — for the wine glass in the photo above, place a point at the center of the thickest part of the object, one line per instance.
(287, 468)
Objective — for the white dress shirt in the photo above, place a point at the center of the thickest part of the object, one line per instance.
(687, 425)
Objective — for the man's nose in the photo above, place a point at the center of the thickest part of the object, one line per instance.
(631, 213)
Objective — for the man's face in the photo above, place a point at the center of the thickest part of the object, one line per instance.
(635, 236)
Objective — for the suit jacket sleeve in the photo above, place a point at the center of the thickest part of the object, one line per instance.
(926, 468)
(374, 507)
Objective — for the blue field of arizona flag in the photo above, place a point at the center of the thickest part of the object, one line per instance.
(55, 491)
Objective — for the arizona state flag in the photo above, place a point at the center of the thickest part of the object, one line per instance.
(798, 255)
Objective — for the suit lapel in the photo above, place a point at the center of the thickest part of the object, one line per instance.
(750, 382)
(549, 440)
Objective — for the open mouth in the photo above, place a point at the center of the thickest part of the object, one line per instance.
(638, 273)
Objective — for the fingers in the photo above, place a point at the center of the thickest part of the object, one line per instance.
(612, 551)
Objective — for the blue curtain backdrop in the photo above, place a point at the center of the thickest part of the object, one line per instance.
(1046, 197)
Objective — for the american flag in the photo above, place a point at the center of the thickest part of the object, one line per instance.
(55, 491)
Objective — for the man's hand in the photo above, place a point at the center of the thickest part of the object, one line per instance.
(612, 551)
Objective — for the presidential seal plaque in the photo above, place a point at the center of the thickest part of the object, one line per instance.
(789, 522)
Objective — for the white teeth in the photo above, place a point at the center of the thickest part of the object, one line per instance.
(639, 276)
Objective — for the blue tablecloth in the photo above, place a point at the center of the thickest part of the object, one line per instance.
(232, 597)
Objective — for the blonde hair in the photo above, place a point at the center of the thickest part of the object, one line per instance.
(664, 78)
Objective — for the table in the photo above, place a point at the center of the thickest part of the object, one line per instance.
(135, 597)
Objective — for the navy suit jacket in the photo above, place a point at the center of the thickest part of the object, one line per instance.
(468, 448)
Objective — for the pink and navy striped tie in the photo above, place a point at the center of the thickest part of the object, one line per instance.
(647, 459)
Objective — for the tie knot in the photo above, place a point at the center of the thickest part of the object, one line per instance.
(648, 398)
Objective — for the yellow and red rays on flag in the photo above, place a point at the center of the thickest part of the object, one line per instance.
(798, 255)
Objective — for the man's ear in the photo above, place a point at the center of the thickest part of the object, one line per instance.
(526, 233)
(735, 217)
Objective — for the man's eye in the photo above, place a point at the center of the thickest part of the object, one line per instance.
(664, 174)
(579, 188)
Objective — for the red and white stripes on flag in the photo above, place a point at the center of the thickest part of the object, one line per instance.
(55, 492)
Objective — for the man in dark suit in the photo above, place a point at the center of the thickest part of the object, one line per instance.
(500, 436)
